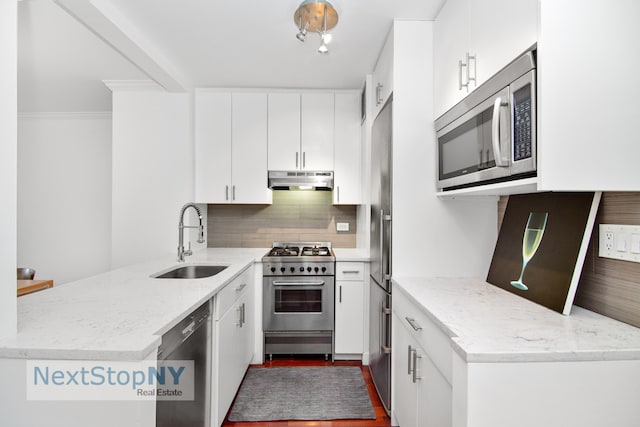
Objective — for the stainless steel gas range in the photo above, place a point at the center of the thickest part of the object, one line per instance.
(298, 299)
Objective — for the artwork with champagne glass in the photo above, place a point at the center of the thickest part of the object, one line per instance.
(541, 246)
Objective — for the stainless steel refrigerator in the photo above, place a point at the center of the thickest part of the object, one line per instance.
(380, 252)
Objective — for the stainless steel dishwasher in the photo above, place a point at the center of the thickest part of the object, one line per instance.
(188, 340)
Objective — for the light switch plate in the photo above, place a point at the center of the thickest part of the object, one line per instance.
(619, 241)
(342, 226)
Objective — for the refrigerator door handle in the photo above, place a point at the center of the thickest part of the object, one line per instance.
(385, 346)
(384, 267)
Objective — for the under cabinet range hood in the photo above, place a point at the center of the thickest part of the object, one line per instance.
(301, 180)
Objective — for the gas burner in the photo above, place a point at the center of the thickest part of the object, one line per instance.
(316, 251)
(284, 251)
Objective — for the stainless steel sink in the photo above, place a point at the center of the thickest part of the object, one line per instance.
(190, 272)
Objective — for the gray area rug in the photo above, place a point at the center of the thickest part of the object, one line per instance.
(302, 393)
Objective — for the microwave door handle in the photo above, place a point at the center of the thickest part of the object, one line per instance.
(495, 133)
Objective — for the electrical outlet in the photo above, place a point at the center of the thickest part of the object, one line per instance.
(342, 226)
(619, 241)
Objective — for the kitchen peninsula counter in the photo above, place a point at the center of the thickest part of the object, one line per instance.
(118, 315)
(489, 324)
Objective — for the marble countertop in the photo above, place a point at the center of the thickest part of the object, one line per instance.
(352, 254)
(489, 324)
(118, 315)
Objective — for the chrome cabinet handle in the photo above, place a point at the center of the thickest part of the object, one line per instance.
(469, 78)
(413, 324)
(350, 271)
(338, 194)
(460, 84)
(241, 287)
(340, 294)
(415, 376)
(239, 311)
(467, 66)
(242, 314)
(409, 359)
(379, 87)
(297, 155)
(495, 133)
(233, 192)
(304, 159)
(226, 192)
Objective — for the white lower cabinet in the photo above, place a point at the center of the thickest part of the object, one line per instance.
(349, 309)
(421, 369)
(234, 342)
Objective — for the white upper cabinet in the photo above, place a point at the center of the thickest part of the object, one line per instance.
(474, 39)
(284, 131)
(383, 75)
(347, 149)
(301, 131)
(316, 132)
(212, 146)
(249, 148)
(231, 147)
(588, 96)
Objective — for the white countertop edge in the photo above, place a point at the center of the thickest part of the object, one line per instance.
(471, 351)
(352, 255)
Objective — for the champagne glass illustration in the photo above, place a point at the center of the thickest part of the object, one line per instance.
(530, 241)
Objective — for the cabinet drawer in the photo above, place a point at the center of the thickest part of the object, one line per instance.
(230, 293)
(349, 271)
(436, 344)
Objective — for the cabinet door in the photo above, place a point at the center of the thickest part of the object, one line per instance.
(317, 131)
(248, 323)
(588, 109)
(383, 75)
(230, 365)
(451, 38)
(404, 389)
(284, 131)
(500, 30)
(249, 148)
(347, 149)
(212, 146)
(349, 332)
(434, 394)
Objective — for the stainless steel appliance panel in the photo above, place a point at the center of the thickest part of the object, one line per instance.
(298, 303)
(381, 172)
(380, 342)
(188, 340)
(380, 250)
(490, 136)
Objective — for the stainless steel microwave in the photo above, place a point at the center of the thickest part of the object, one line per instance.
(490, 136)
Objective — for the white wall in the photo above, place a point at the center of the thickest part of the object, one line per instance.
(8, 169)
(431, 237)
(152, 171)
(64, 194)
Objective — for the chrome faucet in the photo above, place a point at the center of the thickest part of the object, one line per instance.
(181, 251)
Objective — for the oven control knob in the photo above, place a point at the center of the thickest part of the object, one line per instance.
(273, 269)
(316, 269)
(309, 269)
(282, 269)
(292, 269)
(301, 269)
(324, 269)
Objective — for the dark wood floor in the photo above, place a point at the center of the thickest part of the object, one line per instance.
(382, 420)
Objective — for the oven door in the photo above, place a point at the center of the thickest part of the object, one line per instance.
(298, 303)
(475, 147)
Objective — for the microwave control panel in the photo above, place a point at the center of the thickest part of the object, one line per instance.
(522, 135)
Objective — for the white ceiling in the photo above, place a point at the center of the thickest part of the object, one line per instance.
(196, 43)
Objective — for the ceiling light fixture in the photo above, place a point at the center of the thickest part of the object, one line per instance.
(317, 16)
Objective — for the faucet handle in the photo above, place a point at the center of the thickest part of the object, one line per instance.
(189, 251)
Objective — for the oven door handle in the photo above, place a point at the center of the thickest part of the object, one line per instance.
(316, 283)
